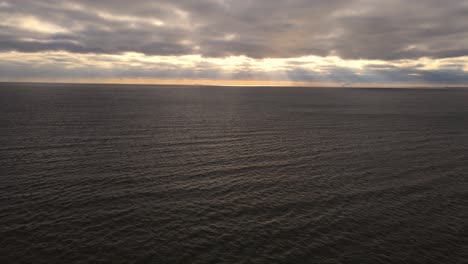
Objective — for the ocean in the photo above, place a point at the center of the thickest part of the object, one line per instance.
(204, 174)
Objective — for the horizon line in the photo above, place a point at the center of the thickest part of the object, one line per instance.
(245, 83)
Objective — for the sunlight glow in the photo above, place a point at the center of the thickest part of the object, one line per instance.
(233, 69)
(31, 23)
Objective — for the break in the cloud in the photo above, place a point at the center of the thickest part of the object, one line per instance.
(342, 41)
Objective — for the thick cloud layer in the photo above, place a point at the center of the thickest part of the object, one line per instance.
(367, 29)
(343, 41)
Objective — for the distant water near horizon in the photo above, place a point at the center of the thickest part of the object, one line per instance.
(163, 174)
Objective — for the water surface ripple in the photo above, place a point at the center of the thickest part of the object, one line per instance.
(125, 174)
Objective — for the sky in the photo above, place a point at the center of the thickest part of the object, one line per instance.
(244, 42)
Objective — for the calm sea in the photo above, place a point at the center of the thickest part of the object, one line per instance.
(167, 174)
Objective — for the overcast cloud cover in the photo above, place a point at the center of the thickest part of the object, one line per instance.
(299, 40)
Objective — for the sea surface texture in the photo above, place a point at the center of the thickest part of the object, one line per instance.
(167, 174)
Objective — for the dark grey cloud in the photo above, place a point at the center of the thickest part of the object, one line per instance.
(36, 46)
(351, 29)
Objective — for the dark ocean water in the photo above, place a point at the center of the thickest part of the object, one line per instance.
(126, 174)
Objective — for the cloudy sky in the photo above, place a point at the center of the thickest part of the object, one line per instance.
(337, 42)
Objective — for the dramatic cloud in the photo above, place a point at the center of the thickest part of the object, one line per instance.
(300, 40)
